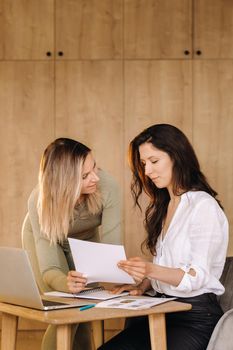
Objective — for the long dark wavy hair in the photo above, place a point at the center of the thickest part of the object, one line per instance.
(186, 175)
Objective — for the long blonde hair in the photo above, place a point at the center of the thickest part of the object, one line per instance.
(60, 184)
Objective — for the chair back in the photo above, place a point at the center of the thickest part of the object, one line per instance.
(28, 243)
(226, 300)
(222, 336)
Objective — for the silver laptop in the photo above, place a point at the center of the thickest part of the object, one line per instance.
(18, 285)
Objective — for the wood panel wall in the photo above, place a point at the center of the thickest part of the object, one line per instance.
(26, 126)
(89, 107)
(213, 127)
(156, 91)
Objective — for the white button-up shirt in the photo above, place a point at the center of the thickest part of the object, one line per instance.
(197, 238)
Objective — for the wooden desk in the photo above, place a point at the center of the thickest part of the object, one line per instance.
(64, 319)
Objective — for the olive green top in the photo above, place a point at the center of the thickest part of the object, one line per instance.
(56, 260)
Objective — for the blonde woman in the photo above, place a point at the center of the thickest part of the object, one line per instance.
(73, 199)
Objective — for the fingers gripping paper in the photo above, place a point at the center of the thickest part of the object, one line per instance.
(98, 261)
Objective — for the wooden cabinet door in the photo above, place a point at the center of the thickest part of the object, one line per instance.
(27, 29)
(213, 127)
(89, 108)
(89, 29)
(1, 32)
(155, 92)
(26, 127)
(213, 28)
(157, 29)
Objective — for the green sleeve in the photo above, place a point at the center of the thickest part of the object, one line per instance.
(51, 258)
(111, 225)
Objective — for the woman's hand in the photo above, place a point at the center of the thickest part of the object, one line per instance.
(136, 267)
(76, 281)
(133, 289)
(140, 269)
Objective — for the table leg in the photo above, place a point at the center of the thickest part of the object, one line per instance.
(64, 337)
(9, 331)
(98, 333)
(157, 326)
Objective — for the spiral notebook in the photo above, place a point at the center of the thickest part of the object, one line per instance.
(98, 293)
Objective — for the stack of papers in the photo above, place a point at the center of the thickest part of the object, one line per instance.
(133, 303)
(92, 293)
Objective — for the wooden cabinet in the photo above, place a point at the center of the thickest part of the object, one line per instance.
(26, 29)
(82, 29)
(165, 29)
(94, 29)
(213, 28)
(89, 29)
(26, 126)
(157, 29)
(113, 29)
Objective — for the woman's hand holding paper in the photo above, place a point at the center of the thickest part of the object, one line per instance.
(76, 281)
(136, 267)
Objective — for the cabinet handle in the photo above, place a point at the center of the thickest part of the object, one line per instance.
(186, 52)
(60, 53)
(198, 52)
(48, 53)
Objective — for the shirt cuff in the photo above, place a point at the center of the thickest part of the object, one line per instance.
(189, 282)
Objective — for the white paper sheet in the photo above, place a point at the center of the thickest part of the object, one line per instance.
(98, 261)
(133, 303)
(92, 294)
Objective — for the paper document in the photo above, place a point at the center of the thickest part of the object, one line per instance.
(92, 293)
(98, 261)
(133, 303)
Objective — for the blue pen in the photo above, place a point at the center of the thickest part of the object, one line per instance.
(87, 307)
